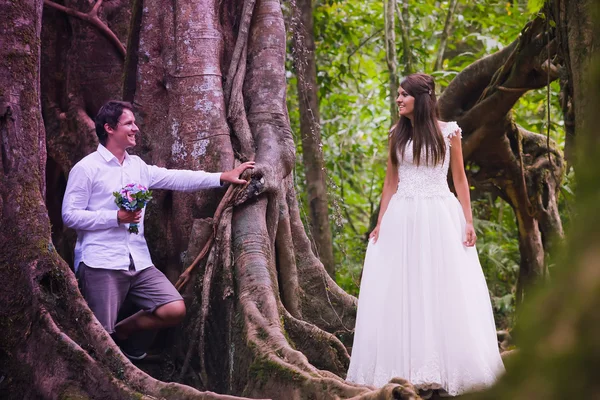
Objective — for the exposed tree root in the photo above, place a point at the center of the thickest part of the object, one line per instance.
(236, 112)
(321, 348)
(322, 301)
(286, 258)
(264, 91)
(287, 353)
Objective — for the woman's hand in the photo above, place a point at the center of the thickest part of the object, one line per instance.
(470, 235)
(374, 234)
(233, 176)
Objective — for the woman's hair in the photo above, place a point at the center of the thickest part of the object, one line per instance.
(425, 133)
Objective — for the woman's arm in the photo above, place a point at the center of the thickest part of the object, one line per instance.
(461, 184)
(390, 186)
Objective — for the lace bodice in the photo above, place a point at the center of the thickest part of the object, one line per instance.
(425, 180)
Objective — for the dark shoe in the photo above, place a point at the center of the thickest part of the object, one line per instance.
(134, 354)
(443, 393)
(426, 394)
(129, 349)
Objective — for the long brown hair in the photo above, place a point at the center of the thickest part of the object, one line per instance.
(425, 133)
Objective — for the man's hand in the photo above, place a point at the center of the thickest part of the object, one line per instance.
(233, 176)
(129, 217)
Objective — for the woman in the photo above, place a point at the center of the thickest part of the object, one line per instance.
(424, 312)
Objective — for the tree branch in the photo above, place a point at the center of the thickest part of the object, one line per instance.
(361, 44)
(92, 18)
(444, 39)
(403, 17)
(390, 55)
(94, 12)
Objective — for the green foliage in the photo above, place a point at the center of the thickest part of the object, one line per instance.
(534, 6)
(498, 250)
(354, 110)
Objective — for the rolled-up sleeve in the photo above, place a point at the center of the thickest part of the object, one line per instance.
(75, 202)
(184, 180)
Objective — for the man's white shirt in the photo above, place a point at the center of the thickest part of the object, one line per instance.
(89, 206)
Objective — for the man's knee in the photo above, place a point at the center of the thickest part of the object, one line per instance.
(172, 313)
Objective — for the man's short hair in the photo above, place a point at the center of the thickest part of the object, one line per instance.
(109, 114)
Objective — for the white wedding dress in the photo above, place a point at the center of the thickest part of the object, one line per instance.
(424, 311)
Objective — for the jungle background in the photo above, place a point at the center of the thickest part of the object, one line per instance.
(440, 38)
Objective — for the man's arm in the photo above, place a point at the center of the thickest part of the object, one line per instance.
(186, 180)
(74, 209)
(183, 180)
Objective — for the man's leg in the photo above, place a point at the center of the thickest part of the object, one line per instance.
(162, 306)
(104, 290)
(164, 316)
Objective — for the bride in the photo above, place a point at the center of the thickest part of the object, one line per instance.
(424, 311)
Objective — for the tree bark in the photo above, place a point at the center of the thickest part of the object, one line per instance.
(574, 33)
(404, 18)
(49, 336)
(390, 56)
(310, 132)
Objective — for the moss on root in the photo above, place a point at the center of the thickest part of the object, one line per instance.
(70, 392)
(262, 370)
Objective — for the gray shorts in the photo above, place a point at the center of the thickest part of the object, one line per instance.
(105, 291)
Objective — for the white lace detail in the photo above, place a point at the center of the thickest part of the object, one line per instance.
(425, 180)
(431, 375)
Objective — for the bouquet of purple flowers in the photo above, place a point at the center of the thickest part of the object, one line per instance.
(131, 198)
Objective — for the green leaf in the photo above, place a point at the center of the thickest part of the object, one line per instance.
(534, 6)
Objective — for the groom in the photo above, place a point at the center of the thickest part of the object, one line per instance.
(112, 264)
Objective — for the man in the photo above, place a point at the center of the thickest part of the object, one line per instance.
(111, 263)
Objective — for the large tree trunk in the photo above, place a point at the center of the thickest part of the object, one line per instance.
(310, 133)
(265, 319)
(51, 345)
(574, 33)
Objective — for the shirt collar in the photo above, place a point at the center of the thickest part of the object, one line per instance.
(107, 155)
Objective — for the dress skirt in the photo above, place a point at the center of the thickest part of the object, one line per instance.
(424, 311)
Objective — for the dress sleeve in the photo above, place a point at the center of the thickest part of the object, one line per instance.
(452, 129)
